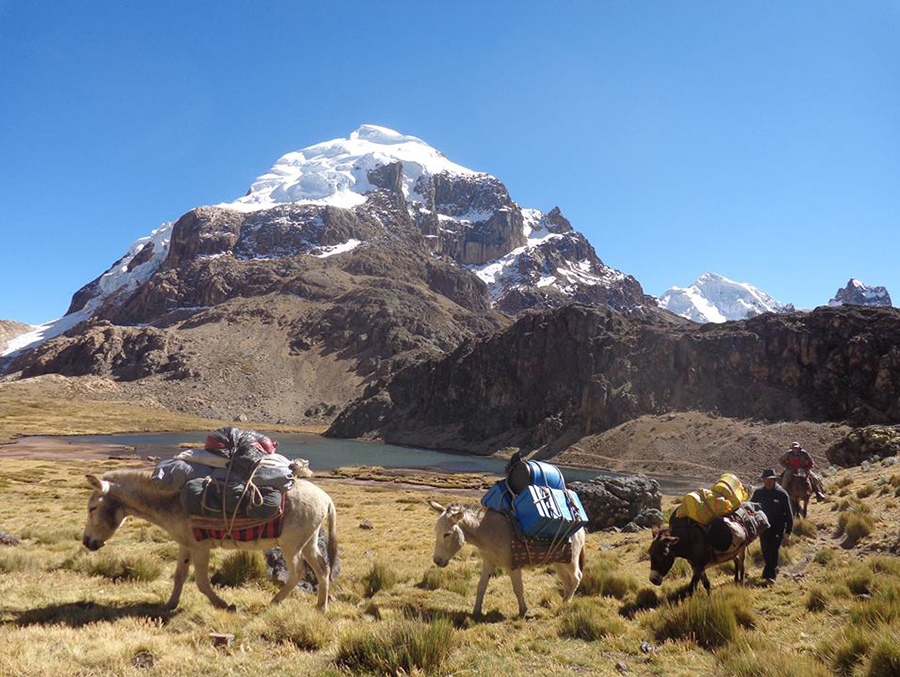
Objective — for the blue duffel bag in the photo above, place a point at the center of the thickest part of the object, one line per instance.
(546, 512)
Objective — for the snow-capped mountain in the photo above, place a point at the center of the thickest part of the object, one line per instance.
(714, 298)
(858, 294)
(340, 199)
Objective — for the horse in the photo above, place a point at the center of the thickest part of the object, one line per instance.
(123, 493)
(685, 538)
(800, 490)
(491, 532)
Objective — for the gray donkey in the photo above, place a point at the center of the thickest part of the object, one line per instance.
(307, 508)
(490, 532)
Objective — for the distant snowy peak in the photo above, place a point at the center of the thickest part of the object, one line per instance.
(714, 298)
(337, 172)
(858, 294)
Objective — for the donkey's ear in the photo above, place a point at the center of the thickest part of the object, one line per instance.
(455, 514)
(437, 507)
(100, 485)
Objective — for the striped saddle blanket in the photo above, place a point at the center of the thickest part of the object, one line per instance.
(240, 529)
(530, 551)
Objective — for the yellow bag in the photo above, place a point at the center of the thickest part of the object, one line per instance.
(730, 488)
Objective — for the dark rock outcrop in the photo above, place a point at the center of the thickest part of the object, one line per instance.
(277, 569)
(861, 444)
(620, 502)
(560, 375)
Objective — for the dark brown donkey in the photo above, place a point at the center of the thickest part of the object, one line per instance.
(800, 489)
(687, 539)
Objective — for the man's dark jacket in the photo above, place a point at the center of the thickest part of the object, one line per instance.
(776, 504)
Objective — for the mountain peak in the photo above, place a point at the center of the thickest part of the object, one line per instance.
(336, 172)
(715, 298)
(859, 294)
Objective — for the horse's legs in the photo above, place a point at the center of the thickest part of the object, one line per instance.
(320, 567)
(694, 580)
(291, 563)
(486, 570)
(516, 577)
(201, 574)
(570, 577)
(181, 572)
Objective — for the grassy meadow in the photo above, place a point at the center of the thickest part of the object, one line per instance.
(65, 610)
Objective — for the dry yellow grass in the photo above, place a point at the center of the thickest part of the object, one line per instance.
(57, 618)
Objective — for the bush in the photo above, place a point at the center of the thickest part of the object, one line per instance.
(646, 598)
(804, 528)
(860, 581)
(757, 659)
(585, 620)
(296, 625)
(602, 580)
(885, 660)
(884, 565)
(238, 568)
(883, 607)
(843, 482)
(824, 556)
(397, 649)
(379, 577)
(18, 560)
(817, 599)
(710, 621)
(856, 524)
(848, 649)
(139, 568)
(865, 491)
(453, 580)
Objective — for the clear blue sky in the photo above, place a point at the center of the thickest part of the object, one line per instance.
(758, 140)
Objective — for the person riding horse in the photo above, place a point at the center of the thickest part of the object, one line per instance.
(797, 458)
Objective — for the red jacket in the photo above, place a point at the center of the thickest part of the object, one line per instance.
(797, 458)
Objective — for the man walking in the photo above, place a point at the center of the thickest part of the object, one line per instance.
(776, 504)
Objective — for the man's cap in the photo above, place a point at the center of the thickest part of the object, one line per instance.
(768, 474)
(795, 445)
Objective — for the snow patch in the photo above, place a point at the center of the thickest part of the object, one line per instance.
(715, 298)
(331, 250)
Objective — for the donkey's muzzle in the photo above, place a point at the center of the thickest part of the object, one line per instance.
(656, 578)
(440, 562)
(91, 544)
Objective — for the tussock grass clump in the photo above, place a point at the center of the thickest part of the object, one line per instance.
(860, 581)
(710, 621)
(397, 649)
(856, 524)
(865, 491)
(604, 581)
(646, 598)
(18, 560)
(380, 577)
(883, 607)
(586, 620)
(454, 580)
(132, 568)
(842, 482)
(885, 658)
(805, 528)
(884, 565)
(848, 649)
(298, 626)
(824, 556)
(756, 659)
(817, 599)
(238, 568)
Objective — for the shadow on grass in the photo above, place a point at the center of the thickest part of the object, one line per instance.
(78, 614)
(460, 620)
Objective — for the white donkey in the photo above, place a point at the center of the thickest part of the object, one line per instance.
(490, 532)
(122, 493)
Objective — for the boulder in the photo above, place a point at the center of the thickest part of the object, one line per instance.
(862, 444)
(620, 502)
(8, 539)
(277, 569)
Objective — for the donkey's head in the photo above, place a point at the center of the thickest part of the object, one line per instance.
(448, 536)
(661, 556)
(105, 515)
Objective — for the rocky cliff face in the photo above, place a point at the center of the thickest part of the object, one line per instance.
(556, 376)
(10, 329)
(858, 294)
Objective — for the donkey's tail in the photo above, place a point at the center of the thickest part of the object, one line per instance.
(581, 559)
(332, 540)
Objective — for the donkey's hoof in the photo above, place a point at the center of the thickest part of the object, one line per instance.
(231, 607)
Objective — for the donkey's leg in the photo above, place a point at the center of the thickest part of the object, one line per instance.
(739, 562)
(570, 577)
(181, 572)
(291, 563)
(319, 565)
(705, 579)
(201, 574)
(694, 580)
(516, 577)
(486, 570)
